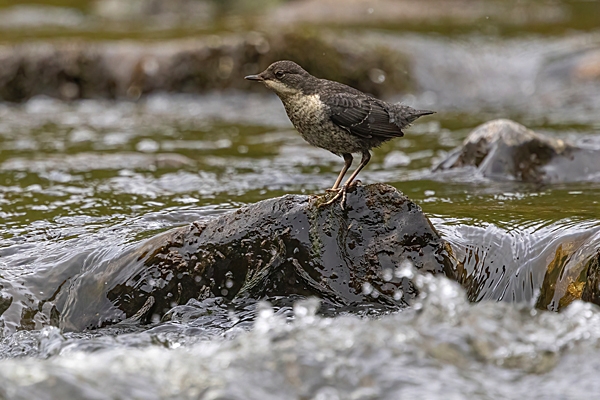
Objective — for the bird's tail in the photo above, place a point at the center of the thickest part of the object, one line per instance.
(420, 113)
(405, 115)
(413, 114)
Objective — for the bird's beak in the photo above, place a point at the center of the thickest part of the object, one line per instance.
(255, 78)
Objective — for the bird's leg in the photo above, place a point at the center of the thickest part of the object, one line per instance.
(348, 162)
(366, 157)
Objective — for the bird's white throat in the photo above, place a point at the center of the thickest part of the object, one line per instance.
(281, 89)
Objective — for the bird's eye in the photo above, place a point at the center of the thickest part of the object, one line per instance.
(279, 74)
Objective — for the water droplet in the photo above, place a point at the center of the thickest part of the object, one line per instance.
(377, 75)
(264, 310)
(387, 274)
(405, 270)
(307, 308)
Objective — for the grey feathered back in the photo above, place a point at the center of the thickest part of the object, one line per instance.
(363, 115)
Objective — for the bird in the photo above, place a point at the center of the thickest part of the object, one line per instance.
(335, 116)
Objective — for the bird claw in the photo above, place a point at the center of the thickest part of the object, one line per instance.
(354, 183)
(341, 192)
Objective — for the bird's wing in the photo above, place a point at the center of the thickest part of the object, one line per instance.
(362, 115)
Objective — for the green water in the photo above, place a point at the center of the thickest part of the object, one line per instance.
(52, 168)
(85, 179)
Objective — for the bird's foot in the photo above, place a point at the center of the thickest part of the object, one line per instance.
(352, 184)
(355, 182)
(341, 192)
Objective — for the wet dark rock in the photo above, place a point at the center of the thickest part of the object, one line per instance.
(573, 273)
(549, 265)
(80, 69)
(505, 150)
(278, 247)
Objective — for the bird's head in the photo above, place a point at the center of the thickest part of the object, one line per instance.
(285, 78)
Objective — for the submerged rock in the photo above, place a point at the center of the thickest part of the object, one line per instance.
(503, 149)
(573, 273)
(546, 265)
(277, 247)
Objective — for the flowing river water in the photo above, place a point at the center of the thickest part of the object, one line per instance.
(81, 181)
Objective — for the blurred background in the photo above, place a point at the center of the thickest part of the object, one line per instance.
(120, 119)
(133, 97)
(460, 52)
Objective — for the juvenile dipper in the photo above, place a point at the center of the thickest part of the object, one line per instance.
(336, 117)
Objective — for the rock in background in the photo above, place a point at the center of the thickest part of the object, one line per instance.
(128, 69)
(505, 150)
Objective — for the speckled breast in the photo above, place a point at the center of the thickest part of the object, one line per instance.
(310, 118)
